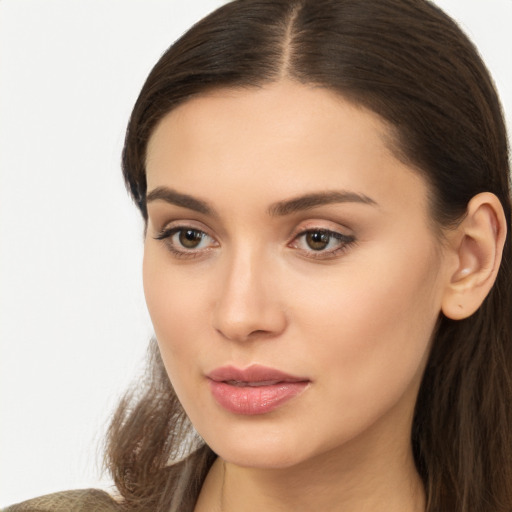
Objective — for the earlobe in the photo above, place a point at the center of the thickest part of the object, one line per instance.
(478, 245)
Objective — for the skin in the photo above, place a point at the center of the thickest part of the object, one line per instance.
(355, 319)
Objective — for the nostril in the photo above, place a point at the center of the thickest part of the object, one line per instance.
(259, 332)
(242, 335)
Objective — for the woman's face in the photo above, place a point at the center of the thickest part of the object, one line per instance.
(291, 273)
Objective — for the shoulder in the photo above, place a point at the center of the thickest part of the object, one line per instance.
(82, 500)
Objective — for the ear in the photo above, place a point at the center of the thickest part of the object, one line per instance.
(477, 244)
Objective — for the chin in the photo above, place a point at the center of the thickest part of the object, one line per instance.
(261, 460)
(263, 451)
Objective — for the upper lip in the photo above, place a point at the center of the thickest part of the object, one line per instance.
(253, 373)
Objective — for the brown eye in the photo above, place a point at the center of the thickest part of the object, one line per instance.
(317, 240)
(322, 243)
(187, 241)
(190, 238)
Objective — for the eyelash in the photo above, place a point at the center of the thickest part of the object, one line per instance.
(166, 236)
(345, 242)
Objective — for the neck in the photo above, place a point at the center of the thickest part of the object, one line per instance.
(355, 481)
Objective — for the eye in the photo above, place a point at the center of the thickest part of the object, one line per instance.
(189, 238)
(322, 243)
(317, 240)
(186, 241)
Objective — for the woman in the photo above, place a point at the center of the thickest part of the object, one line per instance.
(325, 187)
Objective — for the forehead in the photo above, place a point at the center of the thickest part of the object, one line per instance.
(279, 139)
(287, 111)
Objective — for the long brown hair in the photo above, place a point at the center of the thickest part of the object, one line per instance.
(411, 64)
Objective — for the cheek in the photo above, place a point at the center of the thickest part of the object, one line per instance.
(173, 305)
(373, 324)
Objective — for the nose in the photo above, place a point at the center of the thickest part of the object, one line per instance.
(248, 304)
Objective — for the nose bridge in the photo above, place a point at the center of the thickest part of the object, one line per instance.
(247, 302)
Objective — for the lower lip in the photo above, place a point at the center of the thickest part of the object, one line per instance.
(251, 400)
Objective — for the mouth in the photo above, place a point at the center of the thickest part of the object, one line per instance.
(254, 390)
(243, 384)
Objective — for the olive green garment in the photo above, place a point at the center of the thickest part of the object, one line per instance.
(83, 500)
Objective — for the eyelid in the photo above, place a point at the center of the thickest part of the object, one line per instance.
(162, 223)
(334, 230)
(345, 243)
(167, 232)
(344, 235)
(321, 225)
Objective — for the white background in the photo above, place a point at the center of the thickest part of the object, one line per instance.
(73, 325)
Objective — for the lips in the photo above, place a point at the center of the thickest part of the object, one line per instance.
(253, 390)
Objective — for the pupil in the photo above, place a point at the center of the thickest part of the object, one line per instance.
(317, 240)
(190, 238)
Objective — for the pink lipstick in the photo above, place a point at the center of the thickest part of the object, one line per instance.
(253, 390)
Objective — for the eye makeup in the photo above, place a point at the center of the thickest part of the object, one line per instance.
(321, 243)
(186, 241)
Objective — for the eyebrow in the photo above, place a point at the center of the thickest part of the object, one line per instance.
(309, 201)
(178, 199)
(279, 209)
